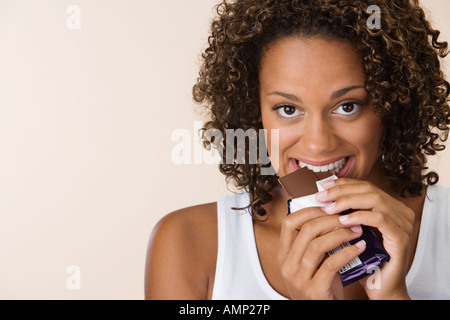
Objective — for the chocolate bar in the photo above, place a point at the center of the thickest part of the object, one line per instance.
(302, 182)
(302, 185)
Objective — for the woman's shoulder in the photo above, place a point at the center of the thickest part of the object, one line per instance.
(189, 220)
(188, 225)
(182, 253)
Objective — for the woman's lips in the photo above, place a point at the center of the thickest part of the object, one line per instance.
(346, 169)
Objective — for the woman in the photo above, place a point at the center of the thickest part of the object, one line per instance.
(368, 103)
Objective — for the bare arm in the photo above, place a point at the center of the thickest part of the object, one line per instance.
(181, 255)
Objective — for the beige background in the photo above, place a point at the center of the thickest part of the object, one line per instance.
(86, 118)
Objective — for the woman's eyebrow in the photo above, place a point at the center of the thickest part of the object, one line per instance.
(285, 95)
(337, 94)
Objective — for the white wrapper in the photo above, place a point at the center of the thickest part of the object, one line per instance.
(309, 201)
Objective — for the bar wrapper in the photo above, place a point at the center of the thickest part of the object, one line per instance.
(302, 185)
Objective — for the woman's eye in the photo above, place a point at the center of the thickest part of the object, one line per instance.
(287, 111)
(348, 109)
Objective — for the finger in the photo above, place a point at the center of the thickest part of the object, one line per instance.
(382, 214)
(309, 231)
(365, 196)
(325, 275)
(342, 189)
(394, 236)
(362, 201)
(343, 192)
(290, 227)
(318, 247)
(343, 186)
(341, 181)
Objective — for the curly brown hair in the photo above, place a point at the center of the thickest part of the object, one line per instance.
(401, 61)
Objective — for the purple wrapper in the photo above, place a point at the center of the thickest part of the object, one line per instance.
(374, 255)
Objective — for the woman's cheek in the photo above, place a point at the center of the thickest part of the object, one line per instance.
(279, 143)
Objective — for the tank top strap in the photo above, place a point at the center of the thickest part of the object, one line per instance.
(239, 275)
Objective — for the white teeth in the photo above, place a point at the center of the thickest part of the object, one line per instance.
(335, 167)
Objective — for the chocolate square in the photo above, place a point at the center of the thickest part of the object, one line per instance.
(302, 182)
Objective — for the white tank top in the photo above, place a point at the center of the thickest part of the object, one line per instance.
(239, 275)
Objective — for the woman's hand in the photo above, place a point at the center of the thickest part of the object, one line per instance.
(377, 209)
(306, 237)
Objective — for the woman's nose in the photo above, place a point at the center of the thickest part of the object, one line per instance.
(319, 136)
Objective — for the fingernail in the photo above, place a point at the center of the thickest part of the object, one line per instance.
(330, 206)
(361, 244)
(343, 219)
(356, 229)
(328, 184)
(322, 194)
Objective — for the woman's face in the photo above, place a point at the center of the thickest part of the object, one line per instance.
(313, 91)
